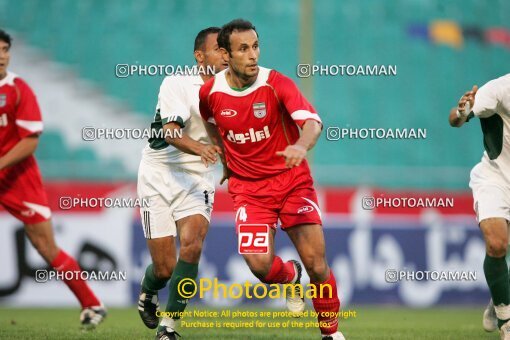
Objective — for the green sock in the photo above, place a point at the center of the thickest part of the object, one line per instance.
(496, 274)
(150, 283)
(176, 303)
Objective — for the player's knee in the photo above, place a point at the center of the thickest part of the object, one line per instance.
(260, 267)
(45, 246)
(42, 248)
(163, 272)
(191, 253)
(496, 247)
(316, 267)
(191, 250)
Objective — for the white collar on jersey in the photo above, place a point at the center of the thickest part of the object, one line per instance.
(9, 79)
(221, 85)
(195, 77)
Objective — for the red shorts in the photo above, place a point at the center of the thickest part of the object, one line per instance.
(289, 196)
(22, 193)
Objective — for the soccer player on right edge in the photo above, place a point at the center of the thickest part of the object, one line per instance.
(490, 182)
(255, 113)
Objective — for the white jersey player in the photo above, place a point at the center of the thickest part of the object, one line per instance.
(490, 183)
(179, 186)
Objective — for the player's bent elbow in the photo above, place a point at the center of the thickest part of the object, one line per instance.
(454, 120)
(170, 140)
(32, 143)
(172, 133)
(314, 125)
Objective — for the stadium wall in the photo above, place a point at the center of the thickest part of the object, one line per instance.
(362, 245)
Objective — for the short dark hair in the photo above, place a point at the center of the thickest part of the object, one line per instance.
(227, 29)
(202, 35)
(4, 36)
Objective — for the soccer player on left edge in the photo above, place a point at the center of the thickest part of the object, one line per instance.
(21, 189)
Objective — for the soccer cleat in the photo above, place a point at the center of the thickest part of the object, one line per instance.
(334, 336)
(504, 331)
(490, 320)
(294, 294)
(167, 334)
(148, 305)
(91, 317)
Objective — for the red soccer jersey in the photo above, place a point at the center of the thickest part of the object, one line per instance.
(256, 122)
(20, 116)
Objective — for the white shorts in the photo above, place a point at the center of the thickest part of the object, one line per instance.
(491, 197)
(172, 194)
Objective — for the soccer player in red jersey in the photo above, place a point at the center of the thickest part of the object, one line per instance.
(256, 113)
(21, 189)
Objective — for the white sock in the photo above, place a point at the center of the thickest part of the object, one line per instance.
(168, 322)
(502, 312)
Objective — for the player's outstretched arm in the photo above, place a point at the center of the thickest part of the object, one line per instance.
(458, 115)
(294, 154)
(20, 151)
(186, 144)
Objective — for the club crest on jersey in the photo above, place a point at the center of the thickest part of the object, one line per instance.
(259, 110)
(3, 100)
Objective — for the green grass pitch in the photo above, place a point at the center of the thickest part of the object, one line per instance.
(370, 323)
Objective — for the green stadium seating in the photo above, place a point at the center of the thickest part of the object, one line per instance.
(93, 36)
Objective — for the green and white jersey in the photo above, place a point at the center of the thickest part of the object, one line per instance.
(178, 102)
(492, 106)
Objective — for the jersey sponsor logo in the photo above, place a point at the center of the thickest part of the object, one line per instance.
(259, 110)
(250, 136)
(3, 100)
(253, 239)
(228, 113)
(305, 209)
(3, 119)
(314, 205)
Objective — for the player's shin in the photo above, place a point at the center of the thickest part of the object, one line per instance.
(280, 272)
(177, 303)
(326, 303)
(496, 274)
(151, 283)
(65, 263)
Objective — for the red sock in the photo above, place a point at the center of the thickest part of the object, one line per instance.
(280, 272)
(64, 263)
(328, 325)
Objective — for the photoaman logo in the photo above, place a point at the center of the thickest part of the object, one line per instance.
(188, 288)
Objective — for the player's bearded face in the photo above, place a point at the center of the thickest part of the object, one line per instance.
(244, 55)
(4, 58)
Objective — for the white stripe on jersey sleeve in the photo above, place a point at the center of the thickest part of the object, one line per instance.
(304, 115)
(490, 98)
(30, 125)
(40, 209)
